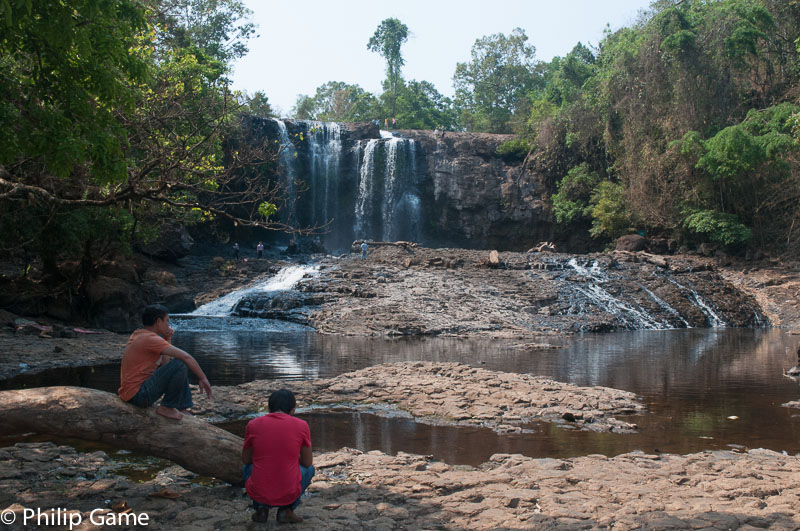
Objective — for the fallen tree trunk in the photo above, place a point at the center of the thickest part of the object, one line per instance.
(94, 415)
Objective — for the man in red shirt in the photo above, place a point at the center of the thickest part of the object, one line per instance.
(277, 459)
(147, 372)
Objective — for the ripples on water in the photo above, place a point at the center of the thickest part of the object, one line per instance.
(691, 380)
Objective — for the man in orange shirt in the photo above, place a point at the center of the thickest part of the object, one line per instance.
(277, 459)
(147, 371)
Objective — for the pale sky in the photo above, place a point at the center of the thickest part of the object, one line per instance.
(305, 43)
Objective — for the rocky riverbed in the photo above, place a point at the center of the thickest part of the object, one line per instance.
(352, 490)
(457, 292)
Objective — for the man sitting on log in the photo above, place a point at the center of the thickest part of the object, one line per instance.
(277, 459)
(147, 372)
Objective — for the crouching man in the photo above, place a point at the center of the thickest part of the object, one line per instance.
(152, 367)
(277, 459)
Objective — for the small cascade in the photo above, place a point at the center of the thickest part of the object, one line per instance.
(634, 317)
(664, 306)
(284, 280)
(714, 320)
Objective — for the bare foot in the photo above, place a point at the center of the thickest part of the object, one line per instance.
(288, 516)
(169, 412)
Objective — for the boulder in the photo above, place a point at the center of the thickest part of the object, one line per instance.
(173, 242)
(631, 243)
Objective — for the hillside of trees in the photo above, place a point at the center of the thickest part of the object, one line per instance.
(119, 116)
(684, 125)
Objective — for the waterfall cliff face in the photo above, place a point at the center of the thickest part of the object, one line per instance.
(353, 181)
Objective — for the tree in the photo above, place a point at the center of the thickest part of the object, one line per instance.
(421, 106)
(387, 41)
(336, 101)
(105, 124)
(495, 83)
(256, 104)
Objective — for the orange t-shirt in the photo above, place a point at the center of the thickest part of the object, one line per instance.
(139, 361)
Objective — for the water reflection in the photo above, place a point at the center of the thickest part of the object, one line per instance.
(691, 380)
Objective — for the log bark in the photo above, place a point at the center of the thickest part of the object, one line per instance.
(93, 415)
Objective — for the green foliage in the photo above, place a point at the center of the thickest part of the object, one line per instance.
(571, 203)
(420, 106)
(719, 227)
(514, 150)
(611, 216)
(731, 153)
(267, 209)
(336, 101)
(256, 104)
(494, 84)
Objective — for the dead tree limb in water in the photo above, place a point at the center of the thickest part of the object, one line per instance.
(94, 415)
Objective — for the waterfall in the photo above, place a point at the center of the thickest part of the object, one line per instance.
(388, 205)
(366, 170)
(286, 163)
(325, 149)
(284, 280)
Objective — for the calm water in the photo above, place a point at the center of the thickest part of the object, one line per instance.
(691, 380)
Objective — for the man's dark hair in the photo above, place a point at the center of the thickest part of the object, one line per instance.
(281, 400)
(153, 313)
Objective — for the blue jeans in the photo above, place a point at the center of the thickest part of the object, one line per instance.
(170, 380)
(363, 255)
(306, 473)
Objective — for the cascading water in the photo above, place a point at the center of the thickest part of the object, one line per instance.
(284, 280)
(287, 164)
(713, 319)
(366, 171)
(325, 150)
(388, 205)
(630, 313)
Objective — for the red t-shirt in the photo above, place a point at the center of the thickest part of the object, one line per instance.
(142, 352)
(276, 440)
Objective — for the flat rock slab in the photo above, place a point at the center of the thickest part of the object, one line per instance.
(451, 392)
(367, 491)
(28, 354)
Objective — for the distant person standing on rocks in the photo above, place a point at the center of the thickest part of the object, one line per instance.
(394, 123)
(277, 459)
(260, 249)
(152, 367)
(386, 123)
(364, 247)
(236, 250)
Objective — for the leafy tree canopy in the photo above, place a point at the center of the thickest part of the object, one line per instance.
(494, 84)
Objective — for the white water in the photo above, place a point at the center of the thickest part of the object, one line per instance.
(713, 319)
(286, 161)
(365, 174)
(325, 147)
(284, 280)
(627, 314)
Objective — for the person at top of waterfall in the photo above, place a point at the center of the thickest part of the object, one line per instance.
(260, 249)
(436, 132)
(364, 248)
(236, 250)
(277, 460)
(394, 123)
(152, 367)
